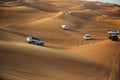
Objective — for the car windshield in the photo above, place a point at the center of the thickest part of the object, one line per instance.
(35, 38)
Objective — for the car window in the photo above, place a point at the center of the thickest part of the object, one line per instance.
(35, 38)
(115, 30)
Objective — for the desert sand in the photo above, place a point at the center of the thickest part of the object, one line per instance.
(66, 55)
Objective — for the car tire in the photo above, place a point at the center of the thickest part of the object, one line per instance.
(115, 39)
(41, 44)
(110, 37)
(32, 42)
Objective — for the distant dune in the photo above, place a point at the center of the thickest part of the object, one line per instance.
(66, 55)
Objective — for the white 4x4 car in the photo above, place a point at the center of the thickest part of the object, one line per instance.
(114, 32)
(87, 37)
(34, 40)
(65, 27)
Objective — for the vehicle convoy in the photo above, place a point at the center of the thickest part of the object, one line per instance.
(87, 37)
(34, 40)
(65, 27)
(114, 32)
(113, 37)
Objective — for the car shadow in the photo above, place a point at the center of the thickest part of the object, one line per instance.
(95, 39)
(72, 30)
(54, 47)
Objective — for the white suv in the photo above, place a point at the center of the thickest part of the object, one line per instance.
(34, 40)
(65, 27)
(114, 32)
(87, 37)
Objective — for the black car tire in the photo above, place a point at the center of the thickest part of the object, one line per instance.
(41, 44)
(32, 42)
(110, 37)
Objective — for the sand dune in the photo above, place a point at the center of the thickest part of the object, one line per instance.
(66, 55)
(100, 52)
(24, 61)
(42, 6)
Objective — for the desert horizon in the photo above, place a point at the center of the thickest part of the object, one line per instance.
(66, 53)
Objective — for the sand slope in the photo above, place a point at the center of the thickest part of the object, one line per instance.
(20, 61)
(100, 52)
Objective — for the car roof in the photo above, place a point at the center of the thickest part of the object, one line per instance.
(115, 30)
(34, 37)
(87, 35)
(64, 25)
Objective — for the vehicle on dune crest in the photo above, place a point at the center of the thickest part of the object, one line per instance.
(87, 37)
(114, 32)
(104, 15)
(113, 35)
(65, 27)
(34, 40)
